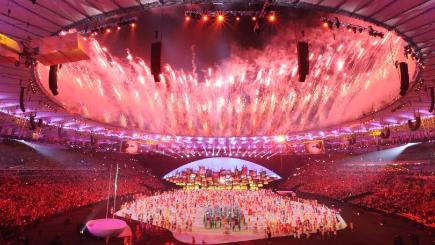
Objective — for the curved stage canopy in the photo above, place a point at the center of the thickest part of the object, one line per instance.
(218, 163)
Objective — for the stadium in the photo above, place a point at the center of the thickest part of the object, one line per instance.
(217, 122)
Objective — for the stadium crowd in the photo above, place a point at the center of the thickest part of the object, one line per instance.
(33, 187)
(26, 200)
(390, 187)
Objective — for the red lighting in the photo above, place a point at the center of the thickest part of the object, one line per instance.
(187, 18)
(108, 30)
(237, 18)
(325, 24)
(205, 18)
(254, 18)
(132, 24)
(118, 28)
(272, 18)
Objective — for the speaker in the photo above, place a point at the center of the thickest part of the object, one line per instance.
(432, 99)
(404, 78)
(62, 49)
(32, 122)
(22, 99)
(303, 62)
(52, 79)
(156, 60)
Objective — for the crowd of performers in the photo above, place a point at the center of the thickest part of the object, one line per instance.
(259, 211)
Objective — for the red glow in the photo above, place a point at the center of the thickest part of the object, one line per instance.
(325, 24)
(118, 28)
(108, 30)
(254, 18)
(237, 18)
(205, 18)
(272, 18)
(187, 18)
(132, 24)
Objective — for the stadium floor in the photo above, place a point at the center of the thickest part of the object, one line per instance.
(367, 230)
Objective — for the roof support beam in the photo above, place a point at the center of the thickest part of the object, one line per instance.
(382, 8)
(36, 13)
(427, 46)
(118, 5)
(421, 33)
(95, 6)
(19, 27)
(426, 40)
(420, 26)
(54, 12)
(78, 11)
(26, 23)
(363, 6)
(413, 17)
(341, 4)
(320, 2)
(405, 11)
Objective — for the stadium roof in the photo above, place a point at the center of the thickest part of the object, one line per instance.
(23, 19)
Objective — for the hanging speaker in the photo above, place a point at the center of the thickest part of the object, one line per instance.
(156, 60)
(432, 99)
(303, 62)
(22, 99)
(404, 78)
(52, 79)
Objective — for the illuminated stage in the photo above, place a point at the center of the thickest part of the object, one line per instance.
(223, 216)
(221, 173)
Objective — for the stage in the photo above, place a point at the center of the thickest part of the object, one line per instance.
(284, 217)
(366, 224)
